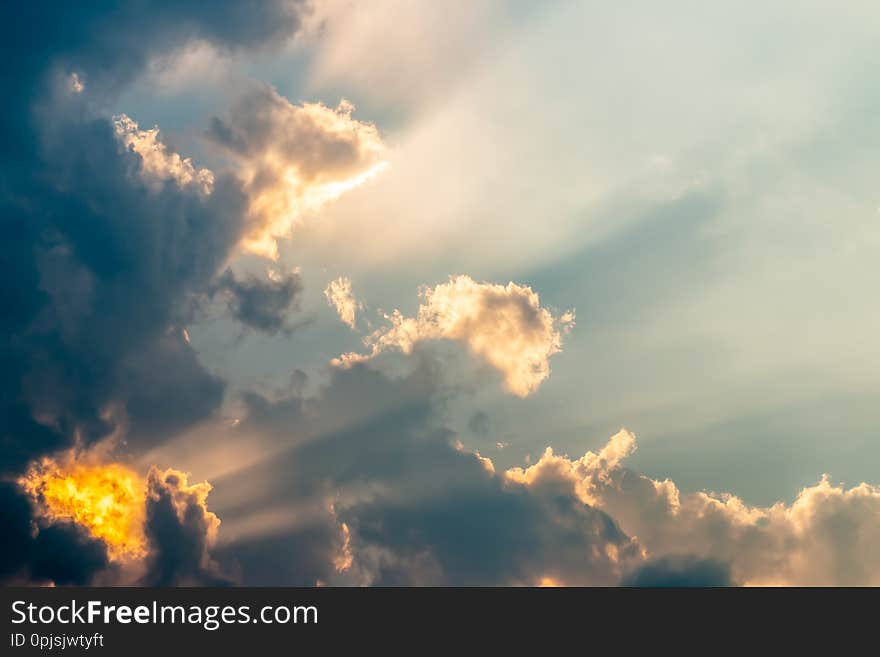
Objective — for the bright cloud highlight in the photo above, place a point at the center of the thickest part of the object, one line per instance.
(158, 163)
(340, 296)
(293, 159)
(503, 325)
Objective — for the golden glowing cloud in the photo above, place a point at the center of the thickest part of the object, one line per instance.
(584, 474)
(107, 499)
(158, 163)
(342, 561)
(504, 325)
(340, 296)
(293, 159)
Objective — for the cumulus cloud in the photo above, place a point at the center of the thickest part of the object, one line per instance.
(824, 537)
(393, 494)
(409, 504)
(293, 159)
(375, 482)
(180, 530)
(154, 530)
(339, 295)
(261, 304)
(503, 325)
(33, 550)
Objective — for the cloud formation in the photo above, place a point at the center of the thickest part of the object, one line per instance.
(108, 238)
(293, 159)
(376, 482)
(339, 295)
(180, 530)
(363, 483)
(33, 551)
(262, 305)
(825, 537)
(110, 242)
(154, 530)
(503, 325)
(374, 478)
(158, 164)
(680, 571)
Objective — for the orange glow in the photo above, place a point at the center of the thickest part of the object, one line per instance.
(108, 500)
(549, 582)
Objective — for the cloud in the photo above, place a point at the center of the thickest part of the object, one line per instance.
(373, 479)
(479, 423)
(419, 508)
(158, 164)
(682, 571)
(87, 39)
(504, 326)
(340, 296)
(293, 159)
(154, 530)
(365, 473)
(181, 531)
(258, 304)
(32, 551)
(64, 554)
(110, 239)
(825, 537)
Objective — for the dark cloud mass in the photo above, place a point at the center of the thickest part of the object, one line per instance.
(98, 268)
(262, 305)
(682, 571)
(62, 553)
(180, 530)
(418, 509)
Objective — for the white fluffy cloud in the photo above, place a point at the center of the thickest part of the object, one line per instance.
(503, 325)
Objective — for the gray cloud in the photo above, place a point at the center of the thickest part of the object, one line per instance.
(181, 531)
(389, 482)
(680, 571)
(262, 305)
(63, 553)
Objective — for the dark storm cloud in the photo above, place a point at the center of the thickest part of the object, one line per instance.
(62, 553)
(416, 507)
(65, 553)
(262, 305)
(98, 268)
(297, 557)
(681, 571)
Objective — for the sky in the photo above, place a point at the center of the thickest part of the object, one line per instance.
(467, 293)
